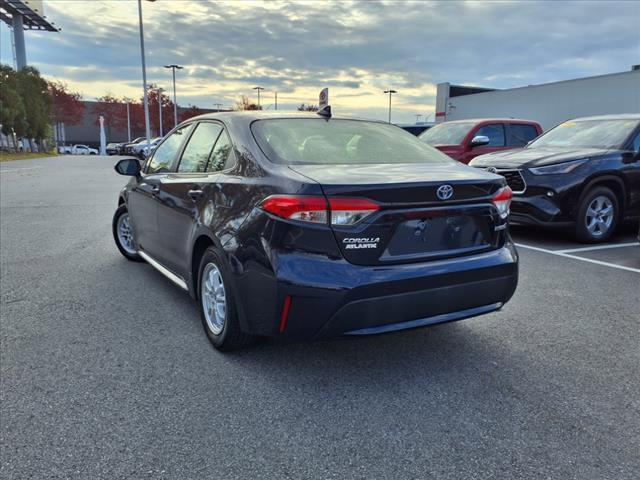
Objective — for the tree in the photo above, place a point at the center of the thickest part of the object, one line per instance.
(307, 108)
(67, 106)
(167, 110)
(244, 104)
(192, 111)
(37, 102)
(13, 115)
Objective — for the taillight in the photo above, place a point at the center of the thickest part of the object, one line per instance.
(502, 201)
(340, 210)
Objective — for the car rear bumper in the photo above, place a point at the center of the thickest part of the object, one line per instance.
(333, 297)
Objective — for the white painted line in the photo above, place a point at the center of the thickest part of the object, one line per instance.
(575, 257)
(599, 247)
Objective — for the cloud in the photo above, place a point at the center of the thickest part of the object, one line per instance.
(357, 48)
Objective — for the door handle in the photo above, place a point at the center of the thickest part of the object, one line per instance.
(194, 194)
(155, 190)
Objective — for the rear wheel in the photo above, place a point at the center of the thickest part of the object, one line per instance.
(217, 305)
(597, 216)
(123, 234)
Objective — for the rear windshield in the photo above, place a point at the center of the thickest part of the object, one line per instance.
(446, 133)
(587, 134)
(328, 142)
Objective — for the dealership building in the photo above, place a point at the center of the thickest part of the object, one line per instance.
(548, 104)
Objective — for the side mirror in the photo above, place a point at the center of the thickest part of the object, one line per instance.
(479, 141)
(129, 167)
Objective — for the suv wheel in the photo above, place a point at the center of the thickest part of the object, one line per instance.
(597, 216)
(123, 234)
(217, 304)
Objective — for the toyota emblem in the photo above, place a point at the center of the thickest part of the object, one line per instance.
(492, 169)
(444, 192)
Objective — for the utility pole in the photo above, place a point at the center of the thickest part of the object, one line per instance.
(173, 68)
(258, 89)
(390, 92)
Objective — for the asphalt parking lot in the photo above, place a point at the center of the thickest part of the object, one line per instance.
(106, 372)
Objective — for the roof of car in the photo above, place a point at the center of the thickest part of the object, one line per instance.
(251, 115)
(504, 120)
(616, 116)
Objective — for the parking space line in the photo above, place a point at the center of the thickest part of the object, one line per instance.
(575, 257)
(599, 247)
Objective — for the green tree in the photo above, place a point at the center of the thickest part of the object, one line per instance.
(37, 102)
(12, 110)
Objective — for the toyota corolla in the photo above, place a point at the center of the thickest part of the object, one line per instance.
(303, 226)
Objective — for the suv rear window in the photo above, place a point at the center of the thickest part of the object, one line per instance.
(336, 141)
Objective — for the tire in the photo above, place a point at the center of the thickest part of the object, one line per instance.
(598, 215)
(224, 333)
(129, 251)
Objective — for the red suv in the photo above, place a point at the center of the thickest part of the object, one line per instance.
(463, 140)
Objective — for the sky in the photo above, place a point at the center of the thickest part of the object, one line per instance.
(356, 48)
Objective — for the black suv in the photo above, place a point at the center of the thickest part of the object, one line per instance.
(305, 227)
(583, 174)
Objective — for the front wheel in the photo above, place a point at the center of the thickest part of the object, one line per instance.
(123, 234)
(597, 216)
(217, 305)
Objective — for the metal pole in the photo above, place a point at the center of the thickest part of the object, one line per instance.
(144, 77)
(160, 109)
(389, 107)
(175, 105)
(18, 39)
(276, 100)
(258, 98)
(128, 123)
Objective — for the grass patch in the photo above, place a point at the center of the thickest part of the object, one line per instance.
(8, 157)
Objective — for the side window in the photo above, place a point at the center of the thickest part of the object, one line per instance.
(196, 154)
(166, 152)
(495, 132)
(520, 134)
(222, 157)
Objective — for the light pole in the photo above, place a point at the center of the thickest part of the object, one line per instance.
(128, 123)
(173, 68)
(276, 94)
(418, 115)
(258, 89)
(160, 90)
(217, 106)
(144, 74)
(390, 92)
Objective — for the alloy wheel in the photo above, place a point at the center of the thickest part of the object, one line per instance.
(599, 216)
(125, 235)
(214, 300)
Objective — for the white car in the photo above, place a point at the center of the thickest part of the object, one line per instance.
(83, 150)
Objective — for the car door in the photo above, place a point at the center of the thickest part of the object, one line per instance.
(143, 198)
(497, 141)
(183, 196)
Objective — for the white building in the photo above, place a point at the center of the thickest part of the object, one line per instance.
(549, 103)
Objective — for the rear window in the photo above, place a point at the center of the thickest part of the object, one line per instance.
(520, 134)
(336, 141)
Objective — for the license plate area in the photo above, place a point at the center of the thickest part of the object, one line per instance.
(441, 235)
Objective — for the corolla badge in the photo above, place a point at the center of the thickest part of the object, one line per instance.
(444, 192)
(492, 169)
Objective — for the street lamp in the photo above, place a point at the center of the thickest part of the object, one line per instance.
(173, 68)
(390, 92)
(144, 74)
(258, 89)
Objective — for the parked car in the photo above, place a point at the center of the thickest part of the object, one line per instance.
(147, 150)
(140, 148)
(583, 174)
(114, 148)
(65, 149)
(295, 225)
(463, 140)
(127, 148)
(415, 128)
(83, 150)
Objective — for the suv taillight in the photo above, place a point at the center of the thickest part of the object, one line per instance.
(502, 201)
(315, 209)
